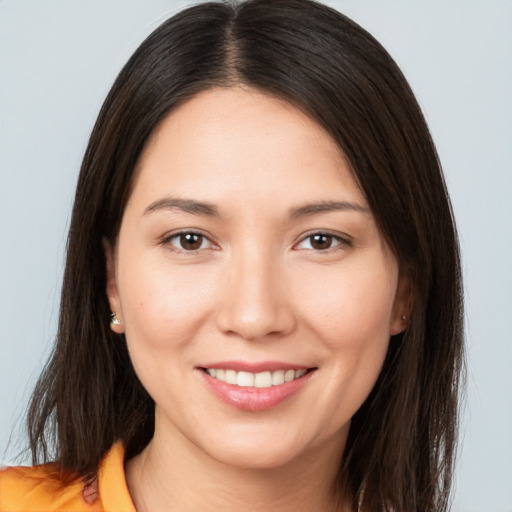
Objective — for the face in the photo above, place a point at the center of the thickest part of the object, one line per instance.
(255, 291)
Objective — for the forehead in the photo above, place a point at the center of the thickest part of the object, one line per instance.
(237, 142)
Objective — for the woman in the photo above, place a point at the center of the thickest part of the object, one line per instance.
(261, 305)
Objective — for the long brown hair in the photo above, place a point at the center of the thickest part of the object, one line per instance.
(401, 446)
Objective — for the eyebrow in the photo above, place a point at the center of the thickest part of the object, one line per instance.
(208, 209)
(186, 205)
(327, 206)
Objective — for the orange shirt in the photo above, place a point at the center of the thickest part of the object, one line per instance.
(37, 489)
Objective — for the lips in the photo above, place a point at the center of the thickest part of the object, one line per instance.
(255, 387)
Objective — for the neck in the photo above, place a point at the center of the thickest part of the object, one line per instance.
(178, 476)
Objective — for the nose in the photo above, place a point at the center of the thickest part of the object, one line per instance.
(254, 301)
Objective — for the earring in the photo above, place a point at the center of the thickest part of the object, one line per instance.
(114, 320)
(404, 318)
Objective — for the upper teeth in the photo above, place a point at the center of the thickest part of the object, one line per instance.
(257, 380)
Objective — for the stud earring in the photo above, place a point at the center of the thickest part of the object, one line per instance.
(114, 320)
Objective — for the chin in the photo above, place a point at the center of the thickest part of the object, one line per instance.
(273, 449)
(255, 456)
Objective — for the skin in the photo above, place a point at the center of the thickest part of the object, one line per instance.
(257, 289)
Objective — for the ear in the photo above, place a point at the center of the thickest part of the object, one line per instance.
(112, 292)
(402, 306)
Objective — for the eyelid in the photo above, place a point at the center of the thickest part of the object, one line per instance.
(166, 240)
(343, 240)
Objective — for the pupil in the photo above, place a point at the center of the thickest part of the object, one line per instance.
(321, 241)
(191, 241)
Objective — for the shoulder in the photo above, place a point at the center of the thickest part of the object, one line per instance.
(40, 488)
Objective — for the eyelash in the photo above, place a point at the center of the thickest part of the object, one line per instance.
(168, 241)
(342, 242)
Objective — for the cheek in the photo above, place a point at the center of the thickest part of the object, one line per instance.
(350, 306)
(164, 306)
(350, 312)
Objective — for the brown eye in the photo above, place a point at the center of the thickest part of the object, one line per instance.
(189, 241)
(321, 241)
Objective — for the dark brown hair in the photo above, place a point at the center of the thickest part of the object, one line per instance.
(401, 445)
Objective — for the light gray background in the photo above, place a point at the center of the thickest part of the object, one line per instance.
(58, 59)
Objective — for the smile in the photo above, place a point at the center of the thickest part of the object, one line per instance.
(265, 379)
(265, 387)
